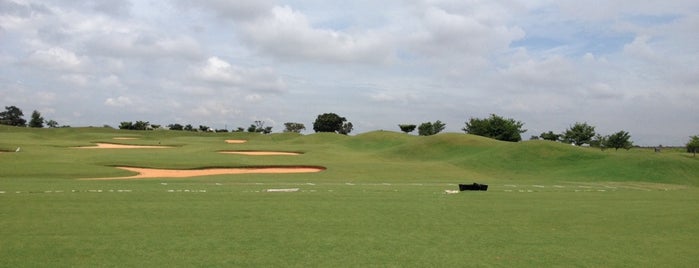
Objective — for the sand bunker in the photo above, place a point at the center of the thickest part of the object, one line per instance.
(144, 173)
(125, 138)
(236, 141)
(121, 146)
(259, 152)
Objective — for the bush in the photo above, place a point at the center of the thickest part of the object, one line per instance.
(407, 128)
(429, 128)
(293, 127)
(330, 122)
(495, 127)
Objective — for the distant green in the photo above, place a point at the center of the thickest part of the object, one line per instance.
(380, 203)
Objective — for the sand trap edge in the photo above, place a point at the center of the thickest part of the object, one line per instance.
(259, 153)
(150, 173)
(102, 145)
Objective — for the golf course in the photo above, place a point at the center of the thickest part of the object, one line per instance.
(101, 197)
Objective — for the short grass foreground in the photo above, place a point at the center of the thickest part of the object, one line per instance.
(379, 201)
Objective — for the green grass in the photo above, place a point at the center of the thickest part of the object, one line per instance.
(380, 203)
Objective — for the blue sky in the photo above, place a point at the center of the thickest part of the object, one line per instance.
(617, 65)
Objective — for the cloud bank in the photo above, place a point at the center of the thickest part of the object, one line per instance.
(618, 65)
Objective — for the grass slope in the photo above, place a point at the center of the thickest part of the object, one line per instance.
(379, 203)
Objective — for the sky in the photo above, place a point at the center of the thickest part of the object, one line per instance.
(614, 64)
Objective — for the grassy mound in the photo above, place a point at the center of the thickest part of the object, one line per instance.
(394, 155)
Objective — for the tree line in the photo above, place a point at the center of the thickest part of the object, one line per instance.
(12, 116)
(258, 126)
(582, 133)
(508, 129)
(495, 127)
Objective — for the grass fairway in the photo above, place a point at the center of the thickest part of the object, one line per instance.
(380, 202)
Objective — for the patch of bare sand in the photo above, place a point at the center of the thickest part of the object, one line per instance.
(121, 146)
(260, 152)
(125, 138)
(236, 141)
(145, 173)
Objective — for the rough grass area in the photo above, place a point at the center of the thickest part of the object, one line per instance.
(380, 202)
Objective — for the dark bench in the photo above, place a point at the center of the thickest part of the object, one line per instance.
(473, 187)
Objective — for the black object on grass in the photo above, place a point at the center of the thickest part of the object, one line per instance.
(473, 187)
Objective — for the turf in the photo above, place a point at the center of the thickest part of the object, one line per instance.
(380, 202)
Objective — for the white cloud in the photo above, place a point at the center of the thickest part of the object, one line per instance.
(556, 71)
(57, 58)
(18, 15)
(239, 10)
(219, 71)
(610, 10)
(214, 110)
(287, 34)
(112, 7)
(394, 97)
(447, 33)
(111, 81)
(144, 45)
(44, 98)
(75, 79)
(253, 98)
(603, 91)
(120, 101)
(640, 48)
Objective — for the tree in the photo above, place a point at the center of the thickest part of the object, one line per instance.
(693, 145)
(52, 124)
(175, 126)
(139, 125)
(430, 128)
(188, 127)
(252, 128)
(331, 122)
(425, 129)
(37, 121)
(12, 116)
(267, 130)
(346, 128)
(550, 136)
(496, 127)
(407, 128)
(579, 134)
(599, 141)
(618, 140)
(293, 127)
(438, 126)
(259, 127)
(203, 128)
(126, 125)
